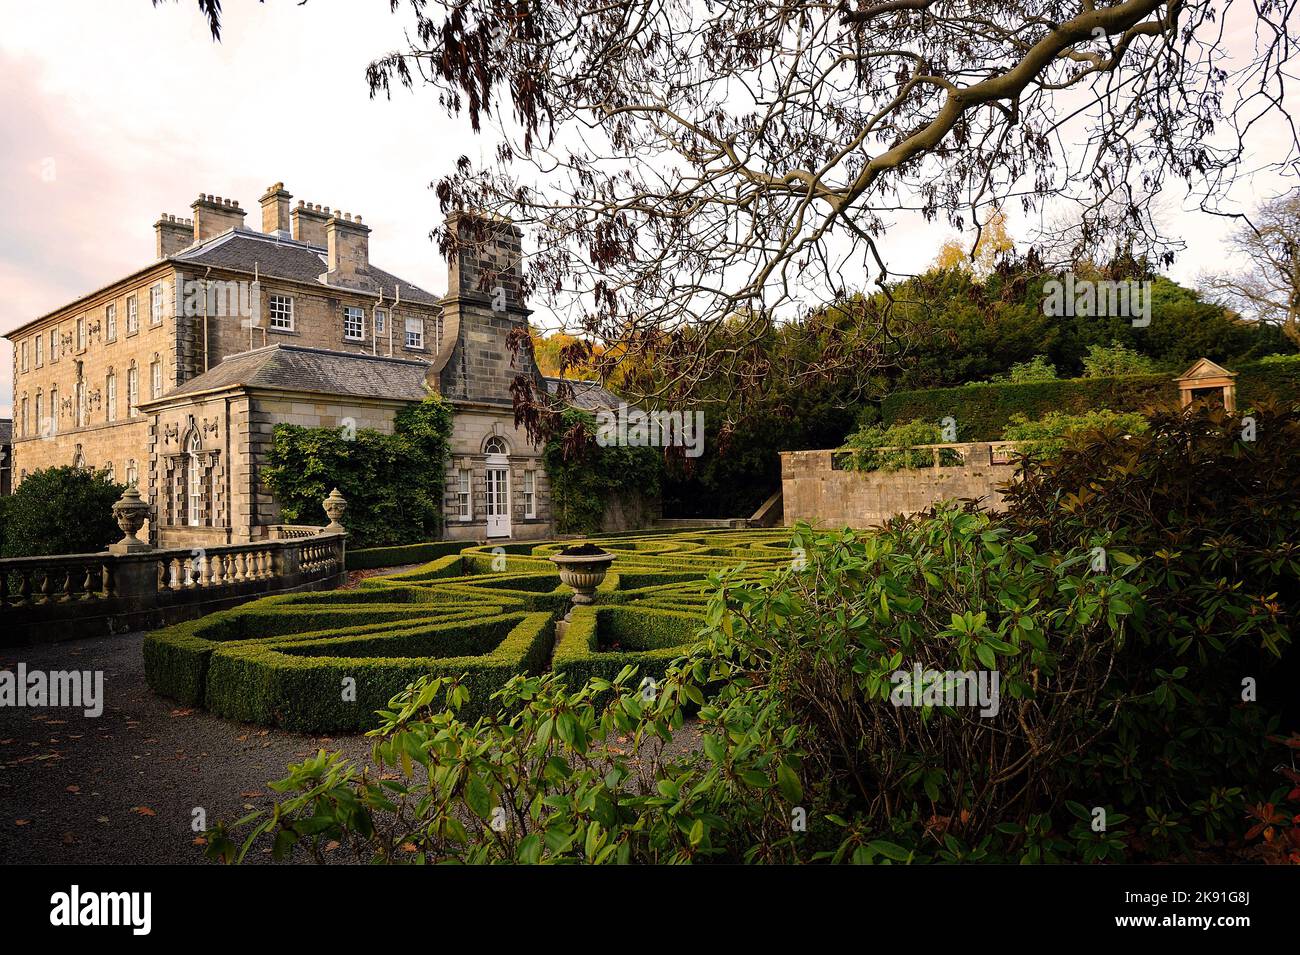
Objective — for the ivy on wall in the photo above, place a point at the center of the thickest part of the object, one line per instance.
(393, 482)
(585, 477)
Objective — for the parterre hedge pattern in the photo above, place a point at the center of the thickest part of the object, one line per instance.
(367, 558)
(327, 661)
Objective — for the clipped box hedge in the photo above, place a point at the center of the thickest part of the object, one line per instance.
(176, 659)
(983, 411)
(601, 640)
(481, 613)
(298, 684)
(368, 558)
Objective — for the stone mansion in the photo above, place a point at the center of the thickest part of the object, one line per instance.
(173, 377)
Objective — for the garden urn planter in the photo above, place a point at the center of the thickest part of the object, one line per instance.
(130, 512)
(335, 505)
(583, 568)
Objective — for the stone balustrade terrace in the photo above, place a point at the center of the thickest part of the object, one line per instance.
(132, 586)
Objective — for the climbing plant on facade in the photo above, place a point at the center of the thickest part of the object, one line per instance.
(393, 482)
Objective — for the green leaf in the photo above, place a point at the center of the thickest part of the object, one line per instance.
(788, 782)
(478, 796)
(697, 832)
(889, 850)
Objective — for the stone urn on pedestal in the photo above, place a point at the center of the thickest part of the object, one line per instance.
(130, 512)
(582, 567)
(335, 504)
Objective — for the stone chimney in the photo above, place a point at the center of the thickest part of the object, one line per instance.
(173, 234)
(485, 262)
(347, 250)
(275, 210)
(483, 308)
(309, 223)
(214, 215)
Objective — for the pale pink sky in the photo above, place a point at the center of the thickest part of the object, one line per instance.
(116, 112)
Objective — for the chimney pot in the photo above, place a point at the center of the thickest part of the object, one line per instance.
(214, 215)
(171, 235)
(275, 210)
(308, 224)
(347, 247)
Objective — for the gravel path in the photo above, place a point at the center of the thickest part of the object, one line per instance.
(123, 787)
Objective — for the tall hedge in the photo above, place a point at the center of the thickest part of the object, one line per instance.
(393, 482)
(983, 411)
(61, 510)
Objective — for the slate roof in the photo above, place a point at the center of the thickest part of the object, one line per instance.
(296, 368)
(587, 395)
(281, 258)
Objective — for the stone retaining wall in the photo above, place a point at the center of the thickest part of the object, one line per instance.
(817, 491)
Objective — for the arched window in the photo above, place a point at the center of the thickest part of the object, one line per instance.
(132, 472)
(194, 480)
(496, 445)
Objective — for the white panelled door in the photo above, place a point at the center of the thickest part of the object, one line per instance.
(498, 497)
